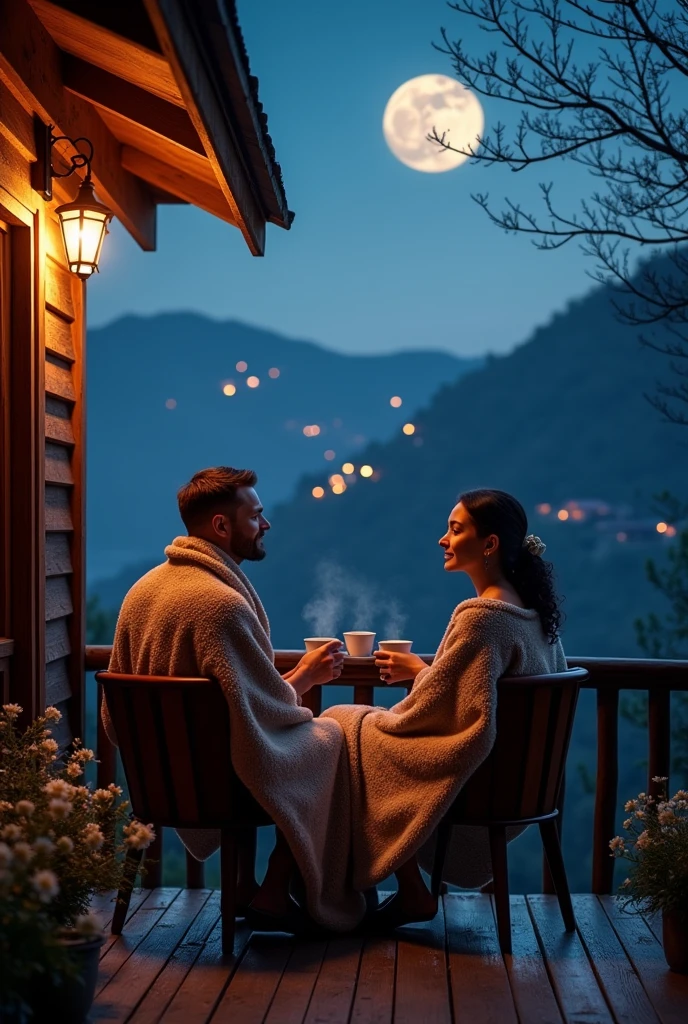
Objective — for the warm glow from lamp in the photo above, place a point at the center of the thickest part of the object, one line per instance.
(273, 372)
(662, 527)
(338, 488)
(312, 430)
(229, 390)
(409, 428)
(395, 402)
(84, 224)
(241, 366)
(366, 470)
(348, 467)
(253, 382)
(318, 492)
(562, 514)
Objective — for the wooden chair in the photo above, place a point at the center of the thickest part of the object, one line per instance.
(519, 783)
(174, 742)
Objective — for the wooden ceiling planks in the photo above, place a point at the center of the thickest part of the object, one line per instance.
(31, 61)
(173, 179)
(123, 57)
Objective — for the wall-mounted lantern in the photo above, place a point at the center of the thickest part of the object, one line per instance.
(84, 221)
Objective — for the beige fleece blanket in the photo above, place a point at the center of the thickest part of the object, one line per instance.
(409, 763)
(198, 615)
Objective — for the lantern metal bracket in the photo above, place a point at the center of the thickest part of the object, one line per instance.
(43, 171)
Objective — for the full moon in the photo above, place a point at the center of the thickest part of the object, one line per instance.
(424, 103)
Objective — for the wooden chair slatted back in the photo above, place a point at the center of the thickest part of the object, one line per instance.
(522, 776)
(174, 739)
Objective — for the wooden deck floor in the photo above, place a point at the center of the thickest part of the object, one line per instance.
(168, 966)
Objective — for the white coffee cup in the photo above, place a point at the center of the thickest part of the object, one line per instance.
(314, 642)
(402, 646)
(359, 643)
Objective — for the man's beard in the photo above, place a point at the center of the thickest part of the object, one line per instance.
(250, 550)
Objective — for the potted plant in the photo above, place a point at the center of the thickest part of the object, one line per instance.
(61, 841)
(657, 847)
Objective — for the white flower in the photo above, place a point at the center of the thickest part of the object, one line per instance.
(643, 840)
(88, 924)
(25, 807)
(49, 746)
(534, 545)
(60, 809)
(92, 836)
(59, 788)
(84, 755)
(5, 805)
(52, 714)
(626, 882)
(11, 832)
(681, 794)
(74, 770)
(43, 845)
(23, 852)
(667, 817)
(138, 836)
(115, 790)
(64, 844)
(46, 885)
(630, 805)
(617, 843)
(628, 822)
(660, 778)
(12, 710)
(5, 855)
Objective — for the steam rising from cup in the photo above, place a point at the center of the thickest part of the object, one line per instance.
(343, 598)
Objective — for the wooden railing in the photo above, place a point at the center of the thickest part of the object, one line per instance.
(607, 676)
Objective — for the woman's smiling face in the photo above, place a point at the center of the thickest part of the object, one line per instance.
(463, 548)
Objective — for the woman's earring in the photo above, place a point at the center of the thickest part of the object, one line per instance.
(487, 560)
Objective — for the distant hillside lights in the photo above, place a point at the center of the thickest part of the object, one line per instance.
(609, 521)
(338, 483)
(395, 402)
(409, 428)
(311, 430)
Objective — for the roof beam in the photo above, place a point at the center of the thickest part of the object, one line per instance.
(177, 182)
(109, 51)
(31, 61)
(170, 19)
(114, 94)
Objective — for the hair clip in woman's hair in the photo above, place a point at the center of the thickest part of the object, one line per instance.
(534, 545)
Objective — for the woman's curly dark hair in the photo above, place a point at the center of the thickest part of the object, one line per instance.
(533, 578)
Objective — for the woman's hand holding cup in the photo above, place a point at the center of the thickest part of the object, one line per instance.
(398, 666)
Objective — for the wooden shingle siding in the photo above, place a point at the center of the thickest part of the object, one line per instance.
(58, 378)
(58, 515)
(63, 486)
(57, 643)
(58, 561)
(58, 425)
(58, 337)
(58, 290)
(58, 598)
(58, 469)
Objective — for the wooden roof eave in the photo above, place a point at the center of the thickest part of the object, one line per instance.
(164, 112)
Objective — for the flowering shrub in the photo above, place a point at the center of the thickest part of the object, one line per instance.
(657, 847)
(60, 842)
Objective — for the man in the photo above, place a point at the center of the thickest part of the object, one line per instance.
(197, 614)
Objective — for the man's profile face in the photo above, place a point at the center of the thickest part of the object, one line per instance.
(248, 526)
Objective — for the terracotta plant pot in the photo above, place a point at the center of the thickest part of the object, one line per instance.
(675, 940)
(69, 1000)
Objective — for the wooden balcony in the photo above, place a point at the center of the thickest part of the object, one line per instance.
(167, 965)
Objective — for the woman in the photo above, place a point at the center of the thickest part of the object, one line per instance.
(408, 763)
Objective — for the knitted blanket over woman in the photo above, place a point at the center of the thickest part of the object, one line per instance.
(198, 615)
(409, 763)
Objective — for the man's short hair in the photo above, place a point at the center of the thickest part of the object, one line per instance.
(211, 491)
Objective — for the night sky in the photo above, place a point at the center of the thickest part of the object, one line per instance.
(380, 257)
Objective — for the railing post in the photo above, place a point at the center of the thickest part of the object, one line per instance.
(313, 699)
(106, 769)
(364, 694)
(151, 878)
(659, 733)
(195, 872)
(607, 785)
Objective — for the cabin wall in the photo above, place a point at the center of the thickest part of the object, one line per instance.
(42, 526)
